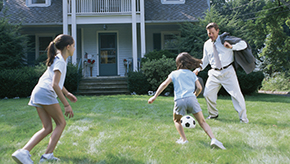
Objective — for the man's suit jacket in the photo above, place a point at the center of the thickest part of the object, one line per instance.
(243, 58)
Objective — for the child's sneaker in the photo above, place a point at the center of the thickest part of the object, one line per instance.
(216, 144)
(48, 158)
(180, 141)
(22, 156)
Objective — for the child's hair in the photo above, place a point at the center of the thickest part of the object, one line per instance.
(185, 61)
(59, 43)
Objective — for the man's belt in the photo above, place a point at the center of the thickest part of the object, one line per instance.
(219, 69)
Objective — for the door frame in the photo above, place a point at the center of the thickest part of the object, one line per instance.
(98, 50)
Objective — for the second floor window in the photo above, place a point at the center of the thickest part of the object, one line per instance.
(172, 1)
(38, 3)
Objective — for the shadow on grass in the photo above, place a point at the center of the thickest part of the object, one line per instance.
(108, 159)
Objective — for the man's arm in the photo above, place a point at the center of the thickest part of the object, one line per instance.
(241, 45)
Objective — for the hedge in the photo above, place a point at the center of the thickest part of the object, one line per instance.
(20, 82)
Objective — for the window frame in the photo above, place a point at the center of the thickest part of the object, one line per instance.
(37, 43)
(173, 2)
(163, 33)
(30, 4)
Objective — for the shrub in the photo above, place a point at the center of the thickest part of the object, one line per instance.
(156, 71)
(138, 83)
(158, 55)
(250, 83)
(20, 82)
(278, 82)
(73, 77)
(17, 82)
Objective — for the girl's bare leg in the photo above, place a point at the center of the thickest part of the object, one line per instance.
(47, 129)
(201, 121)
(178, 126)
(56, 114)
(45, 114)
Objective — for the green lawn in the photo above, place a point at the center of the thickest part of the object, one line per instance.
(125, 129)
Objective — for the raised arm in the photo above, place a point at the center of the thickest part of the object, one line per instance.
(161, 87)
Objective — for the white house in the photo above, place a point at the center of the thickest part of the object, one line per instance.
(111, 33)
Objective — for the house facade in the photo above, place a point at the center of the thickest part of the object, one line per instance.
(111, 35)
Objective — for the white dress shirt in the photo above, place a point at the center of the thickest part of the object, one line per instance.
(225, 54)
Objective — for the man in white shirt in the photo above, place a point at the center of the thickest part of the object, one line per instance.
(220, 57)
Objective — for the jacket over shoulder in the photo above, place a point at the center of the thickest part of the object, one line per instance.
(243, 58)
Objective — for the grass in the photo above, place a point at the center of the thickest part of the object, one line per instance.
(125, 129)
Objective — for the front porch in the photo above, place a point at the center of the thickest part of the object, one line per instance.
(109, 85)
(105, 13)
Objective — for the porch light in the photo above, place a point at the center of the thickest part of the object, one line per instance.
(105, 27)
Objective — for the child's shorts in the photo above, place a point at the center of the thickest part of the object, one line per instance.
(186, 105)
(41, 96)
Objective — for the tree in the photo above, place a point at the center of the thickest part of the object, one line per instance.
(12, 45)
(275, 55)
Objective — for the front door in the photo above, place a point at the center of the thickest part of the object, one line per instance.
(108, 54)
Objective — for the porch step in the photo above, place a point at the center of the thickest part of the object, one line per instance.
(109, 85)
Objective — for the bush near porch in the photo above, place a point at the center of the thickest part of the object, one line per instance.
(20, 82)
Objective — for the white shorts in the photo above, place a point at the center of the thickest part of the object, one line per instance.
(186, 105)
(41, 96)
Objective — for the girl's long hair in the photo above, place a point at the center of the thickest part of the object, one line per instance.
(185, 61)
(59, 43)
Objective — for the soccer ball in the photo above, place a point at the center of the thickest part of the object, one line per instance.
(188, 122)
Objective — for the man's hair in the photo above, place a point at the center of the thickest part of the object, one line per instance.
(212, 25)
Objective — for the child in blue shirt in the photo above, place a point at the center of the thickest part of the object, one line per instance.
(185, 101)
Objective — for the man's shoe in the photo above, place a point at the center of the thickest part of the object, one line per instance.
(216, 144)
(22, 156)
(212, 117)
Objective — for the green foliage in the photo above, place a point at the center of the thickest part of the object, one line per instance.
(20, 82)
(17, 82)
(12, 46)
(250, 83)
(278, 82)
(73, 77)
(263, 24)
(40, 69)
(192, 39)
(138, 83)
(157, 54)
(157, 71)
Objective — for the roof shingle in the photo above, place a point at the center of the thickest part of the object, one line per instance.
(155, 11)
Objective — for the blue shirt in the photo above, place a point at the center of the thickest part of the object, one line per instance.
(183, 82)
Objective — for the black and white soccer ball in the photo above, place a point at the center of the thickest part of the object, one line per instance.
(188, 122)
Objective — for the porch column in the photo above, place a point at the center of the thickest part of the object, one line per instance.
(74, 30)
(134, 36)
(64, 17)
(142, 26)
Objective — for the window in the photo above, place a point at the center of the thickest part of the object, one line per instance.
(172, 1)
(169, 41)
(38, 3)
(42, 41)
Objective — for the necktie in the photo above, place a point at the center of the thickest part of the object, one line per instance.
(216, 57)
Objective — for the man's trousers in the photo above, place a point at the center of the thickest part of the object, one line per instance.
(228, 79)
